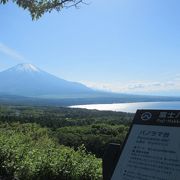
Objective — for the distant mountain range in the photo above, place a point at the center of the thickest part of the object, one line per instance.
(27, 84)
(28, 80)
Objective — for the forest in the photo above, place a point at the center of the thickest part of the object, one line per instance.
(46, 142)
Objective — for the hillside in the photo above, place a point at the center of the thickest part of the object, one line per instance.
(29, 85)
(29, 80)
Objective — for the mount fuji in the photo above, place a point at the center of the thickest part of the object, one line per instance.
(29, 80)
(27, 84)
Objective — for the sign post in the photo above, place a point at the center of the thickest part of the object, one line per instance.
(152, 148)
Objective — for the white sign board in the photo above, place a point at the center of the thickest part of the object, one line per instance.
(152, 148)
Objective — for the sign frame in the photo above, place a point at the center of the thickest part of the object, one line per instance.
(170, 118)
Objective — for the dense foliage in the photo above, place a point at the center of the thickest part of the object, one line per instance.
(56, 117)
(95, 137)
(38, 7)
(56, 143)
(27, 152)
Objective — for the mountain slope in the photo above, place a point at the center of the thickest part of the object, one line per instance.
(28, 80)
(27, 84)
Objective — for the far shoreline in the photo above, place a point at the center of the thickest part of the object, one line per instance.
(131, 107)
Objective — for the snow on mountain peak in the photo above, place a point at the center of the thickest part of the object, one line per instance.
(25, 68)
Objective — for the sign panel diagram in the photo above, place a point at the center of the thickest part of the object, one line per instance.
(152, 148)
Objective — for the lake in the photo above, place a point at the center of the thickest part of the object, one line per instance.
(131, 107)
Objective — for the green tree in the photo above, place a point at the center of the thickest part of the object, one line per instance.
(38, 7)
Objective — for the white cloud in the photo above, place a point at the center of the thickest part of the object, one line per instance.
(177, 77)
(138, 87)
(11, 53)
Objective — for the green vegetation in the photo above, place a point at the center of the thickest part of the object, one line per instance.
(38, 7)
(56, 117)
(56, 143)
(26, 152)
(95, 137)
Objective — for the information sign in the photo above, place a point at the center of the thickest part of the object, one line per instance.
(152, 148)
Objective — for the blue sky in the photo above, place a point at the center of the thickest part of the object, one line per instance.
(130, 46)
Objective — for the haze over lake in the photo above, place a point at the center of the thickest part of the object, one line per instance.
(132, 107)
